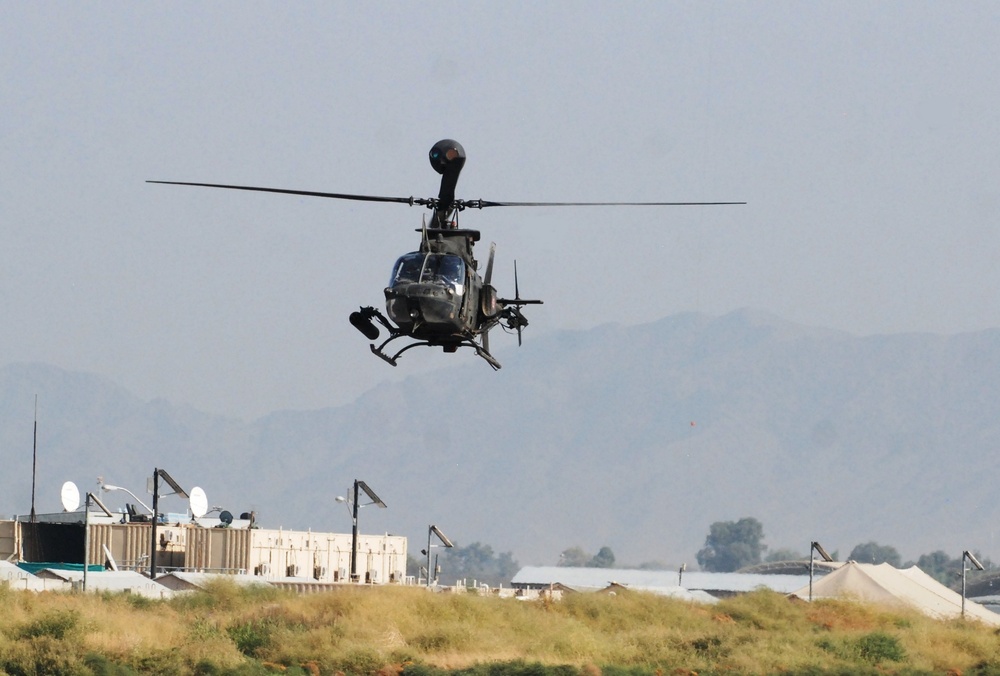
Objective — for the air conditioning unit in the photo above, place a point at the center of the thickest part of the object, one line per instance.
(262, 569)
(292, 571)
(319, 572)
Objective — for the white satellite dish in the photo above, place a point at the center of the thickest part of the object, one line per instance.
(70, 496)
(198, 502)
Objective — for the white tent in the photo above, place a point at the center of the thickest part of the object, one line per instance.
(910, 588)
(17, 578)
(110, 581)
(694, 585)
(186, 581)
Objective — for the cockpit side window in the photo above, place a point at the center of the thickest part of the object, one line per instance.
(407, 269)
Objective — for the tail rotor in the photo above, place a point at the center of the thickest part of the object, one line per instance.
(511, 312)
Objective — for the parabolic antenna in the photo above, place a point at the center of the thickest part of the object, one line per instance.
(70, 496)
(198, 502)
(226, 517)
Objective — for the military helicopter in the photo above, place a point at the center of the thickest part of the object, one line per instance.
(435, 295)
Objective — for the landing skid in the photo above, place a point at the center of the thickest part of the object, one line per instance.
(395, 332)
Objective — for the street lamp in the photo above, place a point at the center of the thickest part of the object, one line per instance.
(86, 530)
(975, 562)
(815, 547)
(157, 475)
(375, 500)
(434, 530)
(107, 488)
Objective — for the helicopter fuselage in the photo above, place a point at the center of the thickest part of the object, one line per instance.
(433, 293)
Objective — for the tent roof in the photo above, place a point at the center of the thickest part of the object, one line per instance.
(18, 578)
(111, 581)
(910, 587)
(599, 578)
(184, 581)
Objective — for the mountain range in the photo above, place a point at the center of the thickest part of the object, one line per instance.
(633, 437)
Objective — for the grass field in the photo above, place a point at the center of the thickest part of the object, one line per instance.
(410, 631)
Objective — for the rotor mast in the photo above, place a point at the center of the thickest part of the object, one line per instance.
(447, 157)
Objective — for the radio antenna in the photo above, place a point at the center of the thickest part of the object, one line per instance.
(34, 460)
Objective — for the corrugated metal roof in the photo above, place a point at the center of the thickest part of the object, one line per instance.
(179, 580)
(112, 581)
(599, 578)
(18, 578)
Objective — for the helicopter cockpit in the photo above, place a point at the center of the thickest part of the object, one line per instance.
(429, 268)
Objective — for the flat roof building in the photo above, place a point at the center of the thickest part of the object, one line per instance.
(203, 545)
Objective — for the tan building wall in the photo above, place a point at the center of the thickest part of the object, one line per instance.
(10, 541)
(269, 554)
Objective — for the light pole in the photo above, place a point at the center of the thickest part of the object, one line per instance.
(86, 531)
(815, 547)
(107, 488)
(375, 500)
(975, 562)
(157, 475)
(434, 530)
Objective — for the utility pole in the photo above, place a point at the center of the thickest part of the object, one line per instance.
(354, 536)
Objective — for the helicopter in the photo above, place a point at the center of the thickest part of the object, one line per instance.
(436, 296)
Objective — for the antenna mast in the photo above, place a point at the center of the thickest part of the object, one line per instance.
(34, 460)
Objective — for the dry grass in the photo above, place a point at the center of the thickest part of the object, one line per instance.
(388, 631)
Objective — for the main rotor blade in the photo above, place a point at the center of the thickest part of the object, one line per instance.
(482, 204)
(334, 195)
(435, 202)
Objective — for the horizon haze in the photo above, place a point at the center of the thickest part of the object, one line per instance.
(636, 437)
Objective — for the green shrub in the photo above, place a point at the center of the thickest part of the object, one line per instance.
(251, 636)
(880, 647)
(55, 624)
(361, 662)
(41, 655)
(100, 665)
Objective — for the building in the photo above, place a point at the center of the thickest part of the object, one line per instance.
(694, 585)
(202, 545)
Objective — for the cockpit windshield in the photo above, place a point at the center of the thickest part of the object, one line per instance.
(429, 268)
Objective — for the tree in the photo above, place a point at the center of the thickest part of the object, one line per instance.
(604, 558)
(776, 555)
(946, 570)
(732, 545)
(574, 557)
(873, 552)
(940, 566)
(654, 565)
(476, 562)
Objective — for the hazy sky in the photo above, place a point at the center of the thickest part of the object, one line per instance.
(865, 137)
